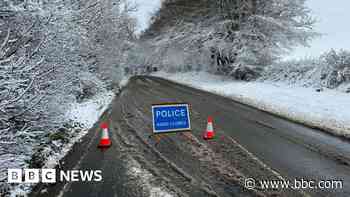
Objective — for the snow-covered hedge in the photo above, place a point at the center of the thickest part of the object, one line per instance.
(54, 54)
(331, 70)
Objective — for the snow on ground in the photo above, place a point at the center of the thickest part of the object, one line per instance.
(146, 180)
(86, 113)
(326, 110)
(124, 82)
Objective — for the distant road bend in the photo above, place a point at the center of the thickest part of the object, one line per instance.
(249, 144)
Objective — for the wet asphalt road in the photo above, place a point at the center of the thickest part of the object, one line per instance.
(291, 149)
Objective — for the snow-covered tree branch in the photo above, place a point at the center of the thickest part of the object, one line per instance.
(240, 36)
(54, 54)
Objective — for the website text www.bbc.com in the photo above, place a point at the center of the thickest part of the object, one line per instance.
(296, 184)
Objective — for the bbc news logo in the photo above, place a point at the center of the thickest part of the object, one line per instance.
(52, 175)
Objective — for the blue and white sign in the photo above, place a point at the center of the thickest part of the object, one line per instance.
(171, 118)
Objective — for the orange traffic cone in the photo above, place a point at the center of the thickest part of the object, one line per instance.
(209, 133)
(105, 142)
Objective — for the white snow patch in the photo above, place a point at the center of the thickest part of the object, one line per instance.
(87, 113)
(145, 9)
(124, 82)
(145, 179)
(326, 110)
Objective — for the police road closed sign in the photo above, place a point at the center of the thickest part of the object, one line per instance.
(170, 118)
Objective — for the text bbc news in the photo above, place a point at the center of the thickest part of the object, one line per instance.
(52, 175)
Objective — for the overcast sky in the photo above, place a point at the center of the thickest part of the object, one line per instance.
(333, 22)
(144, 12)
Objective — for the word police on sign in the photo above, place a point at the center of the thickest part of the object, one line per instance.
(171, 118)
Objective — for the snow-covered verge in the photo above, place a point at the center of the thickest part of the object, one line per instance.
(55, 57)
(87, 113)
(330, 70)
(325, 110)
(124, 82)
(84, 115)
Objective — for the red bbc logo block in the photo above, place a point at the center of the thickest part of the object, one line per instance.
(31, 176)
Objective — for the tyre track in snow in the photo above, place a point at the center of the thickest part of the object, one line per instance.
(291, 149)
(215, 170)
(250, 143)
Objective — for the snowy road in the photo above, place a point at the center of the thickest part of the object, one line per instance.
(250, 144)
